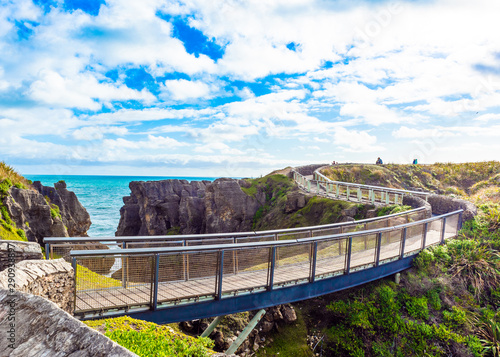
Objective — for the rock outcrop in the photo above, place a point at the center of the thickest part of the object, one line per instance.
(231, 326)
(30, 209)
(74, 216)
(444, 204)
(40, 328)
(179, 206)
(51, 279)
(12, 252)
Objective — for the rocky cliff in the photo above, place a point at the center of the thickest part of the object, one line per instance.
(46, 211)
(179, 206)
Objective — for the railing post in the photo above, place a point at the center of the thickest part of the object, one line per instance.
(270, 282)
(443, 231)
(459, 223)
(359, 194)
(424, 238)
(47, 251)
(124, 282)
(314, 249)
(387, 198)
(338, 190)
(348, 256)
(73, 264)
(317, 186)
(220, 275)
(403, 242)
(348, 192)
(308, 186)
(377, 252)
(156, 279)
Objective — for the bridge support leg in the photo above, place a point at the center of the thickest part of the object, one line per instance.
(212, 326)
(246, 331)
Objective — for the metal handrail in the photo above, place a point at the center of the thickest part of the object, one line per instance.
(216, 247)
(388, 263)
(381, 188)
(253, 234)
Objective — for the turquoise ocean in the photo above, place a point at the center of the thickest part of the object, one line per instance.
(102, 196)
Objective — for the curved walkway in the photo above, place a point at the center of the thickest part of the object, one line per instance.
(200, 277)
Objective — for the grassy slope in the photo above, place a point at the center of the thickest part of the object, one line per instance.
(478, 179)
(9, 177)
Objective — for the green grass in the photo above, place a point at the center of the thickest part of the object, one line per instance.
(87, 279)
(290, 341)
(10, 177)
(147, 339)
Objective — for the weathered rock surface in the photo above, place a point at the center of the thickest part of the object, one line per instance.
(74, 216)
(42, 329)
(179, 206)
(19, 251)
(231, 326)
(417, 202)
(51, 279)
(30, 211)
(444, 204)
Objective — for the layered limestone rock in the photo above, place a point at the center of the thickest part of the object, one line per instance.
(444, 204)
(33, 326)
(51, 279)
(30, 209)
(182, 207)
(12, 252)
(74, 216)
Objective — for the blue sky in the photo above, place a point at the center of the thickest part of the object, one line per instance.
(240, 88)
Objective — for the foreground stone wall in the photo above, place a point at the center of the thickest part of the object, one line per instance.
(40, 328)
(51, 279)
(18, 251)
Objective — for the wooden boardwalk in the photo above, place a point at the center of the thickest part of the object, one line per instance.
(328, 264)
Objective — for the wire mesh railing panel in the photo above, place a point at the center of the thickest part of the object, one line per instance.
(246, 269)
(330, 257)
(390, 246)
(187, 276)
(396, 221)
(294, 235)
(266, 238)
(209, 241)
(196, 261)
(292, 262)
(326, 231)
(161, 244)
(363, 250)
(382, 223)
(416, 216)
(353, 228)
(451, 226)
(414, 236)
(62, 250)
(97, 291)
(434, 230)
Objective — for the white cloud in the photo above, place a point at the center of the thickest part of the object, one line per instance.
(354, 140)
(97, 132)
(182, 89)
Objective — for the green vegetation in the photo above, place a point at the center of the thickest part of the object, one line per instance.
(87, 279)
(148, 339)
(480, 180)
(290, 341)
(9, 177)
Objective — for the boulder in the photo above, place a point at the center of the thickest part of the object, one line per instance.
(19, 251)
(443, 204)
